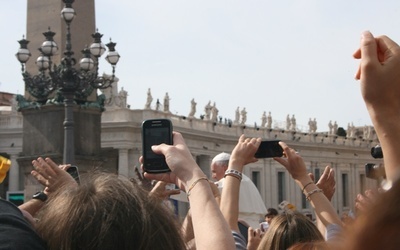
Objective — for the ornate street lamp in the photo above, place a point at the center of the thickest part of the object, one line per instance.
(72, 84)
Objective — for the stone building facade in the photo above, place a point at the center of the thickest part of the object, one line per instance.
(121, 130)
(206, 136)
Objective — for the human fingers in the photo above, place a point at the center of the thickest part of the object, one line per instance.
(311, 176)
(324, 179)
(367, 52)
(371, 194)
(242, 138)
(40, 166)
(251, 232)
(55, 168)
(285, 147)
(244, 151)
(387, 48)
(257, 233)
(65, 167)
(288, 152)
(172, 192)
(331, 176)
(251, 148)
(357, 54)
(284, 159)
(178, 138)
(325, 174)
(327, 182)
(161, 149)
(361, 202)
(368, 48)
(165, 177)
(42, 180)
(357, 76)
(159, 190)
(254, 235)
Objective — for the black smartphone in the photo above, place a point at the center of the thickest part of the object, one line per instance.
(73, 171)
(268, 149)
(155, 132)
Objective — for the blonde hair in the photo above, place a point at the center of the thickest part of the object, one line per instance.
(287, 229)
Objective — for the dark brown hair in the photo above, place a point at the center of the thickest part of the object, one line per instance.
(107, 212)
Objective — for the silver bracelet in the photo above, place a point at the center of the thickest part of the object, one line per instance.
(317, 190)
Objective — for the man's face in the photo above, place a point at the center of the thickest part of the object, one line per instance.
(217, 171)
(269, 218)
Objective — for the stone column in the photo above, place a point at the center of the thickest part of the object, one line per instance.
(123, 162)
(14, 174)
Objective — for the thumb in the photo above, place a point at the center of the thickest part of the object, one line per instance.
(368, 46)
(311, 176)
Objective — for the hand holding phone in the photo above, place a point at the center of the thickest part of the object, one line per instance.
(73, 171)
(269, 149)
(155, 132)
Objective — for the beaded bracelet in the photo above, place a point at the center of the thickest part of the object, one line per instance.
(304, 188)
(194, 184)
(317, 190)
(233, 173)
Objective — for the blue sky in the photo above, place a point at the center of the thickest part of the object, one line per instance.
(286, 57)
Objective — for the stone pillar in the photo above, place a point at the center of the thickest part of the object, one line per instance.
(204, 162)
(14, 174)
(123, 162)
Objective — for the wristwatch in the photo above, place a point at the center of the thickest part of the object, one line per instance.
(40, 196)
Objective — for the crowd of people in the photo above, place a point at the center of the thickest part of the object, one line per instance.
(107, 211)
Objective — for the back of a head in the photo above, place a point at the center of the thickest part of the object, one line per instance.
(107, 212)
(287, 229)
(272, 211)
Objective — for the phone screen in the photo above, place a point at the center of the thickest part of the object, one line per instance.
(73, 171)
(155, 132)
(268, 149)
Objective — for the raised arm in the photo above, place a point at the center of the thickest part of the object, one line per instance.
(242, 154)
(297, 169)
(52, 177)
(327, 184)
(210, 228)
(379, 75)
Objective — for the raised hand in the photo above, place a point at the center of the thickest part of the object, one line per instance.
(50, 175)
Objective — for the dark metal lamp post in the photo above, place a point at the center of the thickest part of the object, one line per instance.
(74, 85)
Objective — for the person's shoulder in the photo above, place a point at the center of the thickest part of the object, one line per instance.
(8, 207)
(15, 231)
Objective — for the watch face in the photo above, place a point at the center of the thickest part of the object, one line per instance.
(40, 196)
